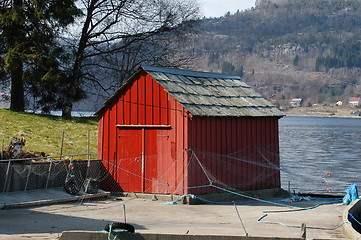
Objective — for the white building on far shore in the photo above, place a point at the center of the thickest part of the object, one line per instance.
(296, 102)
(354, 101)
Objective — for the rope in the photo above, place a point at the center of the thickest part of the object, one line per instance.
(203, 169)
(155, 181)
(116, 233)
(265, 214)
(271, 202)
(208, 176)
(180, 199)
(358, 222)
(75, 143)
(209, 166)
(311, 227)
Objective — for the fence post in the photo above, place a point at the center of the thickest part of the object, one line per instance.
(6, 176)
(303, 231)
(2, 150)
(88, 166)
(62, 145)
(240, 219)
(27, 178)
(49, 170)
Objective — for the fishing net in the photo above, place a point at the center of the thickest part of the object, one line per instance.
(251, 168)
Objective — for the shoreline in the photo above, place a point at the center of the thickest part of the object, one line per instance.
(324, 111)
(319, 115)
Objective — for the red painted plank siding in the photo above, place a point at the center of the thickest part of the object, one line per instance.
(100, 138)
(149, 108)
(129, 162)
(156, 102)
(145, 103)
(158, 160)
(256, 137)
(141, 101)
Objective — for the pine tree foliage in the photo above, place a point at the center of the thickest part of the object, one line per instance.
(28, 33)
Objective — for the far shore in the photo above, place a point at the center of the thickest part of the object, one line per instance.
(324, 111)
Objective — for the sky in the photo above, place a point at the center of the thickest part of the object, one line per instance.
(217, 8)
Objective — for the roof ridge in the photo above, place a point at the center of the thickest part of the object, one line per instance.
(190, 73)
(208, 94)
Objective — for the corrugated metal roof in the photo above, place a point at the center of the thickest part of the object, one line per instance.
(212, 94)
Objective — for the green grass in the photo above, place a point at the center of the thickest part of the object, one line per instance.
(43, 133)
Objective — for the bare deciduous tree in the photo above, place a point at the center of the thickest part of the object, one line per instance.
(109, 27)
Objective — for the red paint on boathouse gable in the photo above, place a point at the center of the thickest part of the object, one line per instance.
(141, 138)
(150, 143)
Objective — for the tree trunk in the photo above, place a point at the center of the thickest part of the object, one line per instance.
(17, 38)
(76, 72)
(17, 86)
(72, 90)
(67, 107)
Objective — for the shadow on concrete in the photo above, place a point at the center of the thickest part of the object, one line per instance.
(28, 221)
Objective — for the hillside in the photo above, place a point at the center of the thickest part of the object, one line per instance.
(288, 48)
(43, 133)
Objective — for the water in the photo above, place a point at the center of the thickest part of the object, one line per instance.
(59, 113)
(320, 154)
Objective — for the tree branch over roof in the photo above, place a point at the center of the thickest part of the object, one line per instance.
(110, 27)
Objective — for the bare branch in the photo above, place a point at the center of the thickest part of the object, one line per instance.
(113, 28)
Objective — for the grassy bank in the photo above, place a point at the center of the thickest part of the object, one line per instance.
(43, 133)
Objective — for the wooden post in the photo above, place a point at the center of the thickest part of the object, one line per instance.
(2, 150)
(6, 176)
(49, 170)
(88, 167)
(240, 219)
(125, 215)
(27, 178)
(303, 231)
(62, 144)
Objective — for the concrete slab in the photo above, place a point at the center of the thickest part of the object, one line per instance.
(155, 217)
(81, 235)
(42, 197)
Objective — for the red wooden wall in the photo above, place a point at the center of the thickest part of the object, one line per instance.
(146, 139)
(242, 153)
(142, 138)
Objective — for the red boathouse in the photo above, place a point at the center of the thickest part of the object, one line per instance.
(175, 131)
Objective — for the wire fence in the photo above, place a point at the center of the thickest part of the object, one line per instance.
(27, 174)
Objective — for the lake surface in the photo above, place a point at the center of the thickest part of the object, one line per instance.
(320, 154)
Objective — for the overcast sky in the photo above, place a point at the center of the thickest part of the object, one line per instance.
(217, 8)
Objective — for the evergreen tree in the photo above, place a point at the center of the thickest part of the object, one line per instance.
(227, 67)
(28, 32)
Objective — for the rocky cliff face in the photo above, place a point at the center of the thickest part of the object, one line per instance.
(288, 49)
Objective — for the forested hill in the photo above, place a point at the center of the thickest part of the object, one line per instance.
(308, 49)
